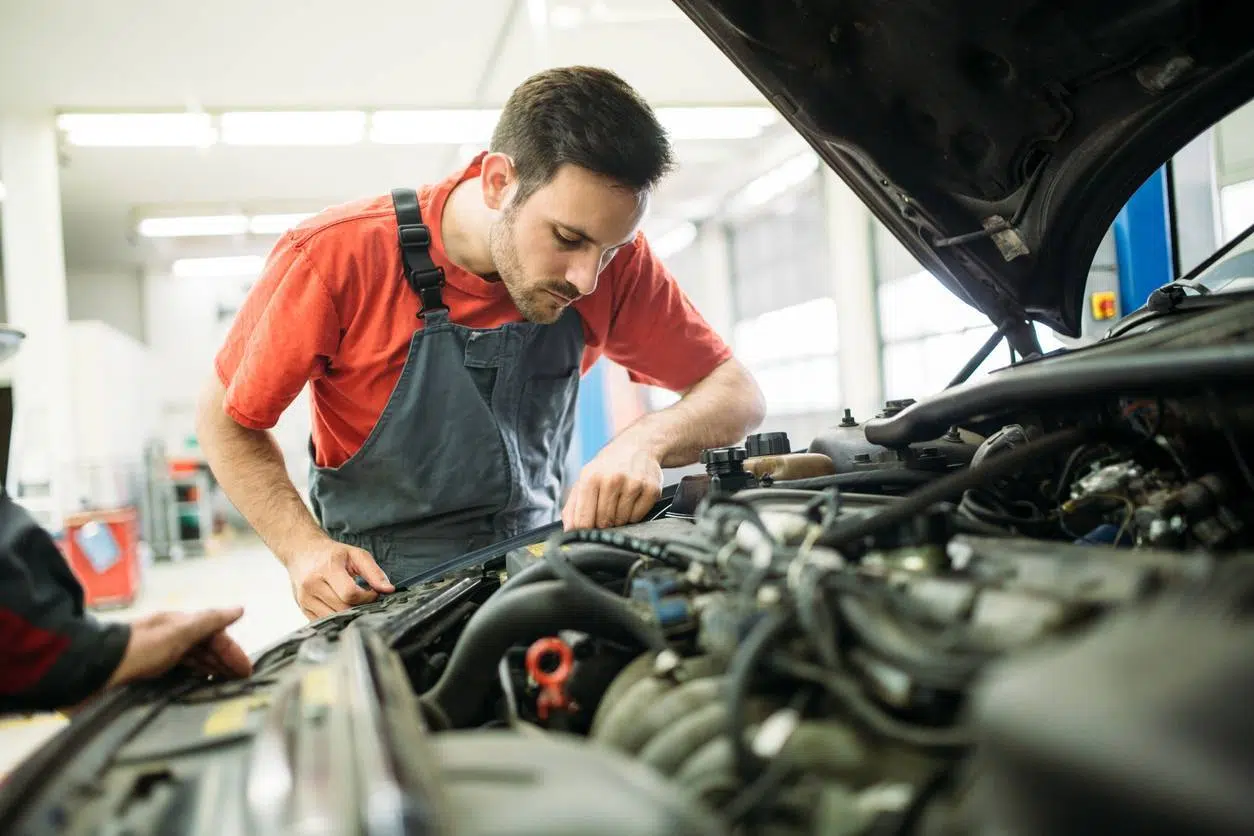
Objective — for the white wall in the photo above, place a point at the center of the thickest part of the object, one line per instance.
(114, 298)
(186, 320)
(111, 394)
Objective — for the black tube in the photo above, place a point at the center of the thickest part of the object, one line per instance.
(866, 712)
(955, 485)
(1067, 383)
(604, 559)
(529, 613)
(885, 477)
(979, 357)
(647, 633)
(743, 664)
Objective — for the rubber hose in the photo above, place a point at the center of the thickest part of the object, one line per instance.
(668, 750)
(680, 702)
(586, 560)
(743, 665)
(955, 485)
(889, 477)
(530, 613)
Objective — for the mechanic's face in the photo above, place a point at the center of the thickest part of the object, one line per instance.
(551, 249)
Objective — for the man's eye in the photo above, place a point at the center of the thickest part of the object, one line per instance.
(564, 241)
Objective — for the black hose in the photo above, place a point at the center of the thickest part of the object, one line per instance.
(739, 673)
(955, 485)
(529, 613)
(648, 634)
(862, 709)
(889, 477)
(591, 560)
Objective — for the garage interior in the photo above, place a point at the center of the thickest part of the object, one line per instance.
(151, 154)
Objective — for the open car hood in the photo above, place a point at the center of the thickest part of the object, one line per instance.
(997, 140)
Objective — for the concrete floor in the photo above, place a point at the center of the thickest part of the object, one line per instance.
(243, 574)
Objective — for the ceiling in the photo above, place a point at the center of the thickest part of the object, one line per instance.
(67, 55)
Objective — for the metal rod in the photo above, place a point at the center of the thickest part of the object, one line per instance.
(978, 358)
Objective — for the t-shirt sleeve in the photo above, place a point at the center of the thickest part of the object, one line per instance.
(285, 333)
(655, 332)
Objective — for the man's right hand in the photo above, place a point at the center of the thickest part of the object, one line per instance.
(324, 578)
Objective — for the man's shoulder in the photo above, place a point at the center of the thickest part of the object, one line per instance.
(350, 223)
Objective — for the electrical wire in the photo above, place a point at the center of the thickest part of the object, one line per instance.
(769, 628)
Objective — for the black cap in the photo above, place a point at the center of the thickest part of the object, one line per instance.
(723, 459)
(767, 444)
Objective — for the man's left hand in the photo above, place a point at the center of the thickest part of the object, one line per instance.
(617, 487)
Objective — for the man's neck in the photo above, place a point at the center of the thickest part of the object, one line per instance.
(464, 229)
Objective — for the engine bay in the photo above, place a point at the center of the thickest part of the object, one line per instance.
(1033, 622)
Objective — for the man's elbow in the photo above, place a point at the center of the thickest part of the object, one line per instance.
(743, 399)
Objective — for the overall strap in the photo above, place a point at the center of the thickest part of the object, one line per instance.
(421, 272)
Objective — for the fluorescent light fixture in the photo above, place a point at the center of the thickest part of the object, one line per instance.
(274, 224)
(193, 226)
(138, 130)
(325, 127)
(218, 267)
(777, 181)
(416, 127)
(715, 122)
(674, 240)
(207, 225)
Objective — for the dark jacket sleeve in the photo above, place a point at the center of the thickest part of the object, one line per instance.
(53, 654)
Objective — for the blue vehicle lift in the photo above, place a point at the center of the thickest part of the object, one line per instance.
(1143, 243)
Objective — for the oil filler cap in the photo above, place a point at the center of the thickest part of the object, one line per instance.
(721, 460)
(767, 444)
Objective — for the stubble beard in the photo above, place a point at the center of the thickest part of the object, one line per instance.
(533, 303)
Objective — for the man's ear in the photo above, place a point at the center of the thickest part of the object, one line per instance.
(498, 179)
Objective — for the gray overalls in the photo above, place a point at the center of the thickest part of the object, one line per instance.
(472, 445)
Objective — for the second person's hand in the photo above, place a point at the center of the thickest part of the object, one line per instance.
(324, 578)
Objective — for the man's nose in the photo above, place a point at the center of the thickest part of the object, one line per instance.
(583, 270)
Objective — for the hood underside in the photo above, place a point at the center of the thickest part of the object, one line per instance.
(996, 140)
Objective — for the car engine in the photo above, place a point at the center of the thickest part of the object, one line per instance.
(1018, 606)
(825, 654)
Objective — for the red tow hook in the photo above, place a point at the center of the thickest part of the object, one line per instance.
(549, 664)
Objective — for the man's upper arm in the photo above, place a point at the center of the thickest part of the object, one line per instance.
(655, 331)
(282, 336)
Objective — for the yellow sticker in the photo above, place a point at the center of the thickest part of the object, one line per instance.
(232, 716)
(537, 549)
(317, 687)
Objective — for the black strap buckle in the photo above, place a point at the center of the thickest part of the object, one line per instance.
(425, 278)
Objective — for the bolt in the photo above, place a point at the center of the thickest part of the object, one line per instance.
(848, 420)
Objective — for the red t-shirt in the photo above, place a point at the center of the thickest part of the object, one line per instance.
(332, 307)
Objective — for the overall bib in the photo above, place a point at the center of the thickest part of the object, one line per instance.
(472, 445)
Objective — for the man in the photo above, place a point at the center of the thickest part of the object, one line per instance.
(444, 368)
(53, 656)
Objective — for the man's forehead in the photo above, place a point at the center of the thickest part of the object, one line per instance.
(592, 207)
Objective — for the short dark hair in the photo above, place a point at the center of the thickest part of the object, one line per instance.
(585, 116)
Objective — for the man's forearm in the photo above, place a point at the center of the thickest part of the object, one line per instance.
(719, 411)
(249, 465)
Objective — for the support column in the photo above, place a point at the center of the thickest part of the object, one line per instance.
(42, 461)
(1194, 194)
(712, 292)
(853, 288)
